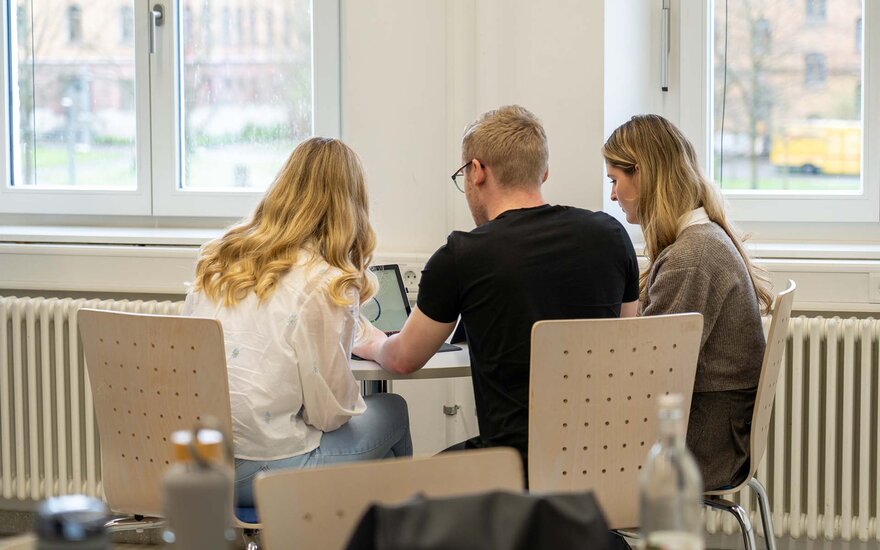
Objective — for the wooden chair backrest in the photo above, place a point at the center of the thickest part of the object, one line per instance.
(593, 402)
(320, 507)
(772, 364)
(150, 375)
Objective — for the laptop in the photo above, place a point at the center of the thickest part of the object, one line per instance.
(389, 309)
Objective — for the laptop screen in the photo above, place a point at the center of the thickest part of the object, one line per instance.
(389, 309)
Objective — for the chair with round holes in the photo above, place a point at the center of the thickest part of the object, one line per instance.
(151, 375)
(320, 507)
(592, 408)
(770, 367)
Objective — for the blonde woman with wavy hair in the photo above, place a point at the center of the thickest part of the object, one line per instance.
(287, 284)
(696, 263)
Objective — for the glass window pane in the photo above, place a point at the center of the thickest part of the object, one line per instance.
(73, 94)
(246, 102)
(787, 96)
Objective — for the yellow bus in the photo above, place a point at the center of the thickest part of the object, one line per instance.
(819, 147)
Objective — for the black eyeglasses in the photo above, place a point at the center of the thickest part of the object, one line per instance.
(460, 173)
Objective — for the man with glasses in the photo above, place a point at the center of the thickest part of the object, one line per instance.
(526, 261)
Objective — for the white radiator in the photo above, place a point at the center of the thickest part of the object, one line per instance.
(48, 435)
(821, 469)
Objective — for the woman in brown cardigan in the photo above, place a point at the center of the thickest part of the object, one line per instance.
(696, 262)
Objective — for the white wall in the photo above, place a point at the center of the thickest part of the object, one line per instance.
(415, 72)
(394, 115)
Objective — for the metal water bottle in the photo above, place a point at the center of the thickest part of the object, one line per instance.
(197, 492)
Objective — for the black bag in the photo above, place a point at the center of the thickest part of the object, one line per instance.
(490, 521)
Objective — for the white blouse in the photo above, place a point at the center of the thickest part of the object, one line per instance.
(287, 360)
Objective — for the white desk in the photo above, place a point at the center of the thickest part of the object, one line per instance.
(449, 364)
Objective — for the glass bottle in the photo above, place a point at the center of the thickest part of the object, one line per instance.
(671, 486)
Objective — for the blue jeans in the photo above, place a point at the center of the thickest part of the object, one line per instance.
(381, 432)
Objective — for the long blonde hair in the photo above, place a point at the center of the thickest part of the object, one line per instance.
(671, 185)
(317, 201)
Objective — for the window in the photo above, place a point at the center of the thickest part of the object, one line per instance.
(814, 70)
(859, 35)
(126, 24)
(74, 24)
(815, 10)
(784, 123)
(174, 133)
(239, 26)
(187, 24)
(252, 26)
(270, 27)
(226, 19)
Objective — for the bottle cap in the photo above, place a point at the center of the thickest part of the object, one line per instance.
(672, 401)
(208, 446)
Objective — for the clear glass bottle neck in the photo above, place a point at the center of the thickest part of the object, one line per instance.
(671, 428)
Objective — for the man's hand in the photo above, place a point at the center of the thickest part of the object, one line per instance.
(370, 344)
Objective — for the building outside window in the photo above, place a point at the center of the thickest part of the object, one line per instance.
(176, 132)
(126, 24)
(789, 115)
(816, 10)
(74, 24)
(815, 71)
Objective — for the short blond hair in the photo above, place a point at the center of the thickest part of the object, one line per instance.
(511, 141)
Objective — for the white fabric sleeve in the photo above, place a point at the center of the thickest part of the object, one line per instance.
(322, 340)
(189, 305)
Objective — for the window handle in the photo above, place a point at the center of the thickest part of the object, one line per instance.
(664, 47)
(157, 17)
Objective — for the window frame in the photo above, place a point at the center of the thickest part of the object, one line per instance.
(695, 78)
(157, 99)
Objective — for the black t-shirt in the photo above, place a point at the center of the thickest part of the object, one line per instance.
(528, 265)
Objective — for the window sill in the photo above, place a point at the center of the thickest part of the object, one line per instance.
(830, 276)
(48, 234)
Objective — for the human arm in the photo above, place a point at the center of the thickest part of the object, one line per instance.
(322, 340)
(189, 304)
(629, 309)
(408, 350)
(430, 323)
(630, 305)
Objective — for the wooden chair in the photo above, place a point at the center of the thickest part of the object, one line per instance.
(593, 402)
(320, 507)
(150, 376)
(776, 339)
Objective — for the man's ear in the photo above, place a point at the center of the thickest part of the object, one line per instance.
(546, 175)
(480, 172)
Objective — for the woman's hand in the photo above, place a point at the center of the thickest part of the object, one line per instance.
(369, 345)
